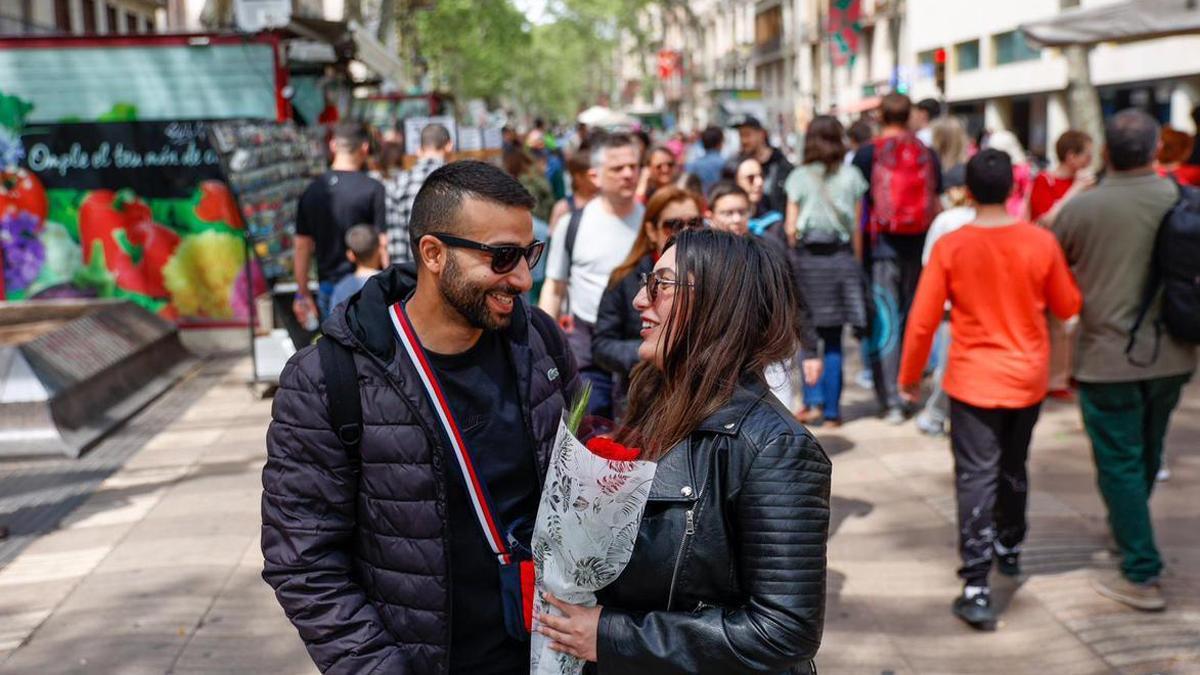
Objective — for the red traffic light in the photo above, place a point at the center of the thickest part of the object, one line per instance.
(939, 56)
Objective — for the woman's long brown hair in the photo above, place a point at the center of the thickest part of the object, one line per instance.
(642, 246)
(737, 317)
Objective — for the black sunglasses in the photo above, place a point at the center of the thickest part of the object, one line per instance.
(504, 258)
(680, 224)
(653, 282)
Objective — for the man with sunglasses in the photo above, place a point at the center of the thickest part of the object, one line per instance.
(584, 254)
(397, 545)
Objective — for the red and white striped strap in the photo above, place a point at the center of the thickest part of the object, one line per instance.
(475, 488)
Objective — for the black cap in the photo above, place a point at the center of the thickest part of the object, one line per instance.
(746, 121)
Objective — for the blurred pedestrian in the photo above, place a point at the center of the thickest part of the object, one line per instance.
(520, 164)
(389, 170)
(773, 164)
(585, 251)
(432, 152)
(364, 505)
(332, 203)
(660, 171)
(859, 134)
(714, 310)
(763, 218)
(905, 180)
(1051, 191)
(1002, 274)
(1189, 172)
(1176, 148)
(708, 167)
(924, 114)
(618, 325)
(583, 189)
(1007, 142)
(362, 249)
(949, 142)
(1127, 398)
(825, 200)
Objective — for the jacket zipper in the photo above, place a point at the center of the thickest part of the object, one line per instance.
(688, 530)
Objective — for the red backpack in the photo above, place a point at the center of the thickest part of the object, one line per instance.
(904, 196)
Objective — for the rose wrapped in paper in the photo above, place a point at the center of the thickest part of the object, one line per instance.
(591, 507)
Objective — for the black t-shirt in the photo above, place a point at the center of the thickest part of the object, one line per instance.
(332, 204)
(480, 385)
(888, 246)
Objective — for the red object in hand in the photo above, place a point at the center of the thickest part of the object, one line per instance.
(607, 448)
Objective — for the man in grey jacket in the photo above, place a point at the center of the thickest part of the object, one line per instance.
(1108, 235)
(374, 547)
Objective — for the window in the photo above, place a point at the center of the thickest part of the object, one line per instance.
(62, 15)
(927, 59)
(110, 20)
(966, 56)
(1011, 47)
(131, 23)
(89, 17)
(1068, 4)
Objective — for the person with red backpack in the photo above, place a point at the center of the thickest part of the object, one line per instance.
(906, 179)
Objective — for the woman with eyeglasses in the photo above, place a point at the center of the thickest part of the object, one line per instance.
(616, 338)
(728, 567)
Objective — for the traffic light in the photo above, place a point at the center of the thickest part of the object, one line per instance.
(939, 70)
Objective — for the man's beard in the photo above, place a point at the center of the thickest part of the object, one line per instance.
(470, 300)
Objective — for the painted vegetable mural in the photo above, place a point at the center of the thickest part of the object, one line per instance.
(142, 220)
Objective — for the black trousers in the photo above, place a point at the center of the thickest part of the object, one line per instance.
(991, 446)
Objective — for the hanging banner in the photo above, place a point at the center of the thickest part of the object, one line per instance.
(845, 28)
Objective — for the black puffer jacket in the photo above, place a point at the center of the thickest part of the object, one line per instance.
(359, 559)
(728, 571)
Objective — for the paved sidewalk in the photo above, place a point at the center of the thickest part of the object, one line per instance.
(158, 571)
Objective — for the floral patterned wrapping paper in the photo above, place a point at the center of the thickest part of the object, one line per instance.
(587, 523)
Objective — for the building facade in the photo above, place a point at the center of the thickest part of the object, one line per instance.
(996, 80)
(80, 17)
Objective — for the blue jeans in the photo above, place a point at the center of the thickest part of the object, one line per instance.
(324, 298)
(828, 392)
(600, 403)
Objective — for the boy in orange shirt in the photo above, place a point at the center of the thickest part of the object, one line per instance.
(1000, 275)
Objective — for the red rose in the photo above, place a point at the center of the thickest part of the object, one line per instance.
(607, 448)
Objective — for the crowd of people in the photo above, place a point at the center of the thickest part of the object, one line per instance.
(707, 298)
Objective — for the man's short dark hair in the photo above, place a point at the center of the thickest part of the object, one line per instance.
(931, 106)
(895, 109)
(725, 188)
(861, 132)
(434, 137)
(351, 135)
(990, 176)
(363, 241)
(1071, 142)
(609, 142)
(712, 138)
(437, 205)
(1132, 138)
(580, 160)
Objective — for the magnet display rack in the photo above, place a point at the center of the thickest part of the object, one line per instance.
(268, 165)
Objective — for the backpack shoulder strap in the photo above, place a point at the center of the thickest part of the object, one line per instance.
(341, 387)
(1153, 283)
(572, 234)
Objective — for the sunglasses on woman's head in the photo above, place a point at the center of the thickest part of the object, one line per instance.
(652, 282)
(504, 258)
(681, 224)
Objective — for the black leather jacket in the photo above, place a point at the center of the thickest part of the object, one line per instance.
(728, 571)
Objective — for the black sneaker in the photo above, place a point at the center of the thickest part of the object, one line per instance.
(977, 612)
(1008, 564)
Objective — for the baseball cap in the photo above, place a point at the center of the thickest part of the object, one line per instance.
(746, 121)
